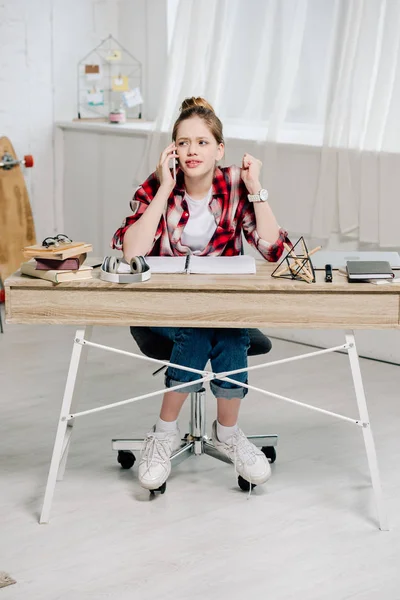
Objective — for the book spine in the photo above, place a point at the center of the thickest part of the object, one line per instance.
(29, 269)
(69, 264)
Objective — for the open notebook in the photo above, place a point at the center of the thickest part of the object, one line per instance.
(221, 265)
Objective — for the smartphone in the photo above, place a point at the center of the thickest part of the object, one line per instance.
(172, 165)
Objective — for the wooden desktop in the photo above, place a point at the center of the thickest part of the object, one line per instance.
(206, 301)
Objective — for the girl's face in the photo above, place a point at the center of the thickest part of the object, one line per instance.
(197, 148)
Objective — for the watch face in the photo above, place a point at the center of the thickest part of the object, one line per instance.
(263, 195)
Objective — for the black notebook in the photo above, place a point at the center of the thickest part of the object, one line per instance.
(360, 270)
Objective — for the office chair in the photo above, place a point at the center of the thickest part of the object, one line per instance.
(196, 442)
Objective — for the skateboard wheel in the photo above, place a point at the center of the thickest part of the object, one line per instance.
(28, 160)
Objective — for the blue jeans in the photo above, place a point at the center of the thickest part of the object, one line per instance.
(225, 348)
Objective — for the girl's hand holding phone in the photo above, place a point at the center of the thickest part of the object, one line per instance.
(163, 168)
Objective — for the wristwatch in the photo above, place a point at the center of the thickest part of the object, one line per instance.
(262, 196)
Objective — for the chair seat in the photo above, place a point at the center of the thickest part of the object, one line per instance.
(259, 343)
(154, 345)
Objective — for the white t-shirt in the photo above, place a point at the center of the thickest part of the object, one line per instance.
(201, 223)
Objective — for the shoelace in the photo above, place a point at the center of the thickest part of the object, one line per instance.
(242, 446)
(156, 450)
(245, 447)
(248, 450)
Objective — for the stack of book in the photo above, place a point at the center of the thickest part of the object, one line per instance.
(65, 262)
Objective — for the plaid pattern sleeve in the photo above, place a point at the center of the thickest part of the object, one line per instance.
(270, 251)
(140, 201)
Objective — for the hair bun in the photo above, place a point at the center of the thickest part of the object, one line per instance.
(192, 102)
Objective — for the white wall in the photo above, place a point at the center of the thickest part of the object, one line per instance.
(41, 42)
(78, 26)
(142, 29)
(98, 184)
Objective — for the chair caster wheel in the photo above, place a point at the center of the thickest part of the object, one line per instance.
(270, 453)
(126, 459)
(245, 485)
(161, 489)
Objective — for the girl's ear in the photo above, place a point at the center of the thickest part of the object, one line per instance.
(220, 151)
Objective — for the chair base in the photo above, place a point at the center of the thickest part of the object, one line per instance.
(195, 442)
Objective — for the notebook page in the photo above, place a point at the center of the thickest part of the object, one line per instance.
(166, 264)
(222, 265)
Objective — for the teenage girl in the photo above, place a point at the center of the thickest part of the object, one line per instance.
(204, 212)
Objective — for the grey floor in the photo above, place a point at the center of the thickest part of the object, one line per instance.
(310, 533)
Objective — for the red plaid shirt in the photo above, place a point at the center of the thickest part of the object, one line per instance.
(232, 211)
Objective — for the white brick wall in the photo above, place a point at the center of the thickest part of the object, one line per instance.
(41, 42)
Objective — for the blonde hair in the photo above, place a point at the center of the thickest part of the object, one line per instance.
(198, 107)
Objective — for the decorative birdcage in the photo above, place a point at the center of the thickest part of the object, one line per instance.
(109, 83)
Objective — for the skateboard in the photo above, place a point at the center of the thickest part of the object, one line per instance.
(17, 229)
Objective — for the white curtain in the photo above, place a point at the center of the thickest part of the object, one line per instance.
(314, 88)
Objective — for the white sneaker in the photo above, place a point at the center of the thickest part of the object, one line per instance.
(155, 463)
(250, 462)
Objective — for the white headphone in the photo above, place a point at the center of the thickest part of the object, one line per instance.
(110, 264)
(139, 270)
(138, 264)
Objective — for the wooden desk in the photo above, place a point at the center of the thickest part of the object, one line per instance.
(205, 301)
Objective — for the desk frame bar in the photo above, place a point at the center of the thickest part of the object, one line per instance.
(61, 444)
(75, 374)
(367, 431)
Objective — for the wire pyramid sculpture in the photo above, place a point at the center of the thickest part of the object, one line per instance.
(297, 266)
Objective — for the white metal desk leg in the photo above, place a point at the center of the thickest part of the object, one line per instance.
(61, 443)
(79, 377)
(367, 432)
